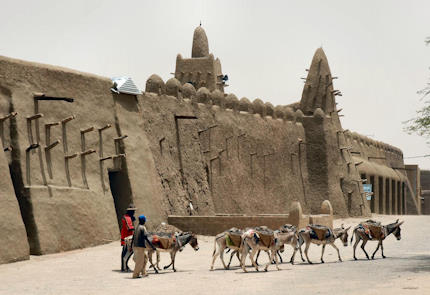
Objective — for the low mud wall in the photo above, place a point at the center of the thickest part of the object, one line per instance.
(212, 225)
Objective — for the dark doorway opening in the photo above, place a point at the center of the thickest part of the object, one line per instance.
(387, 196)
(399, 202)
(121, 192)
(381, 195)
(372, 200)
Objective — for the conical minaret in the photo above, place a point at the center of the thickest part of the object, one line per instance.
(202, 69)
(200, 43)
(318, 90)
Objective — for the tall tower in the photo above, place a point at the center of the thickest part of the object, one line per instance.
(318, 91)
(202, 69)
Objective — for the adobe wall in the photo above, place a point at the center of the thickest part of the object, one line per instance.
(213, 225)
(413, 174)
(139, 165)
(425, 190)
(13, 238)
(425, 179)
(59, 211)
(232, 161)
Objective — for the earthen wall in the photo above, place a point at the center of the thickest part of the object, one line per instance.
(60, 209)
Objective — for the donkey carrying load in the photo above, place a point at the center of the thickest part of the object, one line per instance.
(166, 242)
(371, 230)
(231, 239)
(322, 235)
(292, 240)
(170, 244)
(267, 240)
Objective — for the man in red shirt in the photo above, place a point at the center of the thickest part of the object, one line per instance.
(127, 229)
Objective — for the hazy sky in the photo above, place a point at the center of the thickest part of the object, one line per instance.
(376, 48)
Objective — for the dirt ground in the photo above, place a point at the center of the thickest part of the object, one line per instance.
(406, 270)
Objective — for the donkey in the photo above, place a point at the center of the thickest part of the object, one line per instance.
(182, 239)
(221, 241)
(128, 252)
(330, 238)
(251, 243)
(385, 230)
(292, 240)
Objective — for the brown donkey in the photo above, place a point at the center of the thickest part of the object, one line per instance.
(374, 231)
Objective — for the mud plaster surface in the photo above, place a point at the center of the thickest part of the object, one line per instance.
(96, 270)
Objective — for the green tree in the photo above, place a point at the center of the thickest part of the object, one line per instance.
(421, 123)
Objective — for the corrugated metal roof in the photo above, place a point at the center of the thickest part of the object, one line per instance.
(125, 85)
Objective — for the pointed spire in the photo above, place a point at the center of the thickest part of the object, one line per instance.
(200, 43)
(318, 90)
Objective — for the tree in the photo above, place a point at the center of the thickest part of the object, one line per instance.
(421, 123)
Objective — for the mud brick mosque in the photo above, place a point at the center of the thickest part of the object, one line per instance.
(78, 148)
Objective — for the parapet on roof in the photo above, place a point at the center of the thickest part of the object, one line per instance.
(125, 85)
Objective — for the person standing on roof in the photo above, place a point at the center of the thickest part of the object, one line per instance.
(127, 230)
(140, 242)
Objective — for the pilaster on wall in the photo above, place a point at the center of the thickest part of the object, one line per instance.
(376, 195)
(384, 199)
(414, 175)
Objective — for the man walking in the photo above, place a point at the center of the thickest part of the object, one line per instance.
(127, 229)
(140, 242)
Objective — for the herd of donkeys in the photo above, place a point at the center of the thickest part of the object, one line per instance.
(253, 240)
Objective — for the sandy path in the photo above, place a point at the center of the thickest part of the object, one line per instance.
(96, 270)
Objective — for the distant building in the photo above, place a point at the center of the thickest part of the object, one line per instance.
(425, 191)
